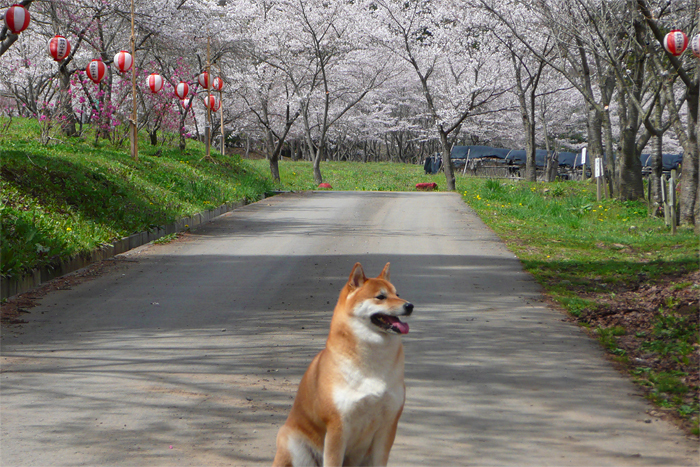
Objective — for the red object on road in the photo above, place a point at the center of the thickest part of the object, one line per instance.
(325, 185)
(427, 186)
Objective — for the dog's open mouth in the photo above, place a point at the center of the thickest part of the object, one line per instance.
(390, 323)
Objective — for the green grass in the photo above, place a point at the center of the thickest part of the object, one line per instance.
(673, 336)
(607, 338)
(573, 243)
(666, 390)
(352, 176)
(68, 198)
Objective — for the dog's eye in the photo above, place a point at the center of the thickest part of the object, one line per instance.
(381, 296)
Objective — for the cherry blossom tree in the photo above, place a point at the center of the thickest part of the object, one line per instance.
(331, 38)
(528, 67)
(454, 58)
(660, 16)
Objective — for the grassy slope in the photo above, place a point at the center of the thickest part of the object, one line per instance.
(68, 198)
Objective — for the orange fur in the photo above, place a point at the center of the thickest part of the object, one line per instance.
(350, 399)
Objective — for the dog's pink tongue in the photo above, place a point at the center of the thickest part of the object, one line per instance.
(403, 327)
(399, 325)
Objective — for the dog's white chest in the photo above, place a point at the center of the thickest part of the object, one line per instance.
(349, 398)
(362, 398)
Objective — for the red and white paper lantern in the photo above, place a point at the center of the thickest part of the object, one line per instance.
(186, 102)
(16, 19)
(675, 42)
(204, 80)
(123, 60)
(212, 103)
(59, 47)
(181, 90)
(217, 84)
(96, 70)
(155, 82)
(695, 45)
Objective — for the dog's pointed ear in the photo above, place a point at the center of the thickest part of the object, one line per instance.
(357, 276)
(385, 273)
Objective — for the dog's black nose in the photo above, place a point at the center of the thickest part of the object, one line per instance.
(408, 308)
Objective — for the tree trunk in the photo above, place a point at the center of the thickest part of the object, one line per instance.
(294, 149)
(272, 156)
(66, 115)
(690, 181)
(530, 150)
(595, 134)
(182, 145)
(630, 183)
(183, 141)
(606, 83)
(690, 189)
(318, 177)
(274, 169)
(655, 200)
(610, 164)
(447, 160)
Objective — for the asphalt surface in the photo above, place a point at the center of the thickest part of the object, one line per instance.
(189, 353)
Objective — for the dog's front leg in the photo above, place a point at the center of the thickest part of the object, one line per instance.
(383, 440)
(333, 447)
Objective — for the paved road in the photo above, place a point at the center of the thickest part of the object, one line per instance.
(189, 353)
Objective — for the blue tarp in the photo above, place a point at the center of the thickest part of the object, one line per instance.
(519, 157)
(568, 159)
(476, 152)
(572, 159)
(669, 161)
(515, 157)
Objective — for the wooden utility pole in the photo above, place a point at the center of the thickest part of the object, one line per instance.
(207, 127)
(133, 129)
(221, 113)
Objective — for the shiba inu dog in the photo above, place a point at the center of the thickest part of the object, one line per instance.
(350, 399)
